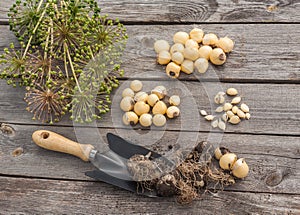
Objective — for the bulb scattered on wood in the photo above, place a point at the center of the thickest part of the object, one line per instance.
(201, 65)
(164, 57)
(177, 47)
(172, 112)
(128, 92)
(173, 70)
(217, 56)
(127, 104)
(191, 44)
(197, 35)
(130, 118)
(159, 108)
(205, 51)
(191, 53)
(231, 91)
(141, 108)
(226, 44)
(210, 39)
(145, 120)
(159, 120)
(181, 37)
(177, 57)
(152, 99)
(136, 85)
(174, 100)
(187, 66)
(161, 45)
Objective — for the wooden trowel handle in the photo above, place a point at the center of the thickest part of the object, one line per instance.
(55, 142)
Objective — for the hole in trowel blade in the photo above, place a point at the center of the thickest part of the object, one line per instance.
(45, 135)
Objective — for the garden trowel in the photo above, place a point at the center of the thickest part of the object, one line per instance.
(111, 165)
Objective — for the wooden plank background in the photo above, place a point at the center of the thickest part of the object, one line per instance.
(264, 67)
(194, 11)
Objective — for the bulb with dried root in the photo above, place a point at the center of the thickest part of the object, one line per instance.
(229, 161)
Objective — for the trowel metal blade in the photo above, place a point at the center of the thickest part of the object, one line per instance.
(111, 164)
(132, 186)
(126, 149)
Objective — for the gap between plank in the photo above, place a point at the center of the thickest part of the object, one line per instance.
(93, 181)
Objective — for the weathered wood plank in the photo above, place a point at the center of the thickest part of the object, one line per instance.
(263, 53)
(33, 196)
(274, 161)
(274, 107)
(194, 11)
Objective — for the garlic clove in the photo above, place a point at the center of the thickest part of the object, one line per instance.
(241, 114)
(236, 100)
(231, 91)
(209, 117)
(203, 112)
(245, 108)
(247, 115)
(227, 106)
(234, 120)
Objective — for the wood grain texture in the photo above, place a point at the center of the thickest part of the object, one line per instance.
(194, 11)
(262, 53)
(274, 107)
(274, 161)
(24, 196)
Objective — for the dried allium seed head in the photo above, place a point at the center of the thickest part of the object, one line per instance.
(46, 104)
